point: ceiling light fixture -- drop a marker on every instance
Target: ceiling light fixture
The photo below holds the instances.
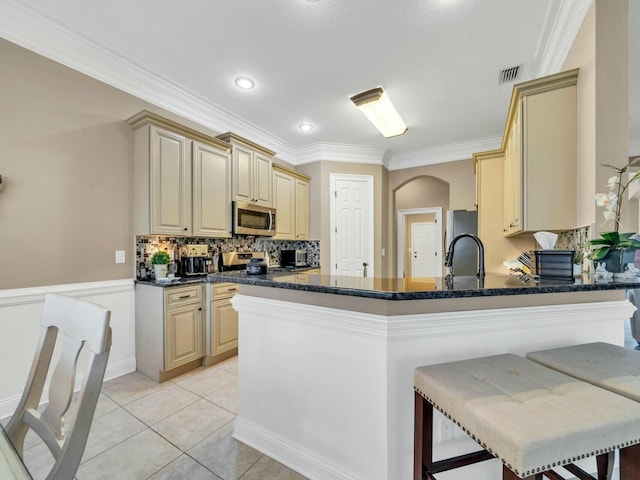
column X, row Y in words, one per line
column 305, row 127
column 245, row 83
column 377, row 107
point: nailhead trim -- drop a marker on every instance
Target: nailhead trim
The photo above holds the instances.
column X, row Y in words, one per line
column 534, row 470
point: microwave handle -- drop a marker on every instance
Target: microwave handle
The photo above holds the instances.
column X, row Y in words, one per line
column 270, row 220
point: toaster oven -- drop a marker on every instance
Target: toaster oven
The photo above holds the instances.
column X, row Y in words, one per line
column 294, row 258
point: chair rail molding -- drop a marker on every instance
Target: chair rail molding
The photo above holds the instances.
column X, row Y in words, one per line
column 20, row 313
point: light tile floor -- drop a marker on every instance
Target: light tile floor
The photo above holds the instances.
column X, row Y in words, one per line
column 180, row 429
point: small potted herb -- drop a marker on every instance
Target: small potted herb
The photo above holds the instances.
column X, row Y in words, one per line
column 160, row 261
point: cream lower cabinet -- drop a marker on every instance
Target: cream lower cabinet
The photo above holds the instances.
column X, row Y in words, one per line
column 182, row 180
column 222, row 323
column 170, row 330
column 291, row 201
column 250, row 172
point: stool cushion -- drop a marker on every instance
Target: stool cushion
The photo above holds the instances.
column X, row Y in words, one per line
column 531, row 417
column 607, row 366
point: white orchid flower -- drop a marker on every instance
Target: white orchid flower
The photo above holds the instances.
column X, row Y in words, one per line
column 612, row 182
column 609, row 200
column 609, row 214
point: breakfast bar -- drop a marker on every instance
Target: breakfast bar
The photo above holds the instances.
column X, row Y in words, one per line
column 326, row 363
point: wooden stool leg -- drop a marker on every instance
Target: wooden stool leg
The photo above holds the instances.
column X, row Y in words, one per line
column 605, row 465
column 507, row 474
column 422, row 437
column 630, row 463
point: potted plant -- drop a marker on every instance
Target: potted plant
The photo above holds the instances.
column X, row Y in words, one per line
column 160, row 261
column 615, row 249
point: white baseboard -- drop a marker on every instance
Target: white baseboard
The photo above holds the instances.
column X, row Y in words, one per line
column 299, row 460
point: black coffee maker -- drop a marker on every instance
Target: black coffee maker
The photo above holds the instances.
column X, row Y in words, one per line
column 193, row 260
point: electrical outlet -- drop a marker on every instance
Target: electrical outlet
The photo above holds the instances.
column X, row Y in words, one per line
column 446, row 430
column 120, row 256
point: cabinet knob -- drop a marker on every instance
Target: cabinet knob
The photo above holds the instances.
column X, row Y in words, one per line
column 185, row 229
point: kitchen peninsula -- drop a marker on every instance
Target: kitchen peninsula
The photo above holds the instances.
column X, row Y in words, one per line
column 326, row 363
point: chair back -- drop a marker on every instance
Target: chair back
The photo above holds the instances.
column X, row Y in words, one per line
column 81, row 324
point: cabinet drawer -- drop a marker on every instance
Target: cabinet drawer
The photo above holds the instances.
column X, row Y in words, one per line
column 183, row 295
column 224, row 289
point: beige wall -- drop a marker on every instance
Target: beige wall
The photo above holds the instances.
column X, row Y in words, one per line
column 450, row 185
column 65, row 158
column 601, row 52
column 459, row 175
column 319, row 203
column 66, row 162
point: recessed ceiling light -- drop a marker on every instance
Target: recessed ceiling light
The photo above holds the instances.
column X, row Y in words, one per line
column 245, row 83
column 305, row 127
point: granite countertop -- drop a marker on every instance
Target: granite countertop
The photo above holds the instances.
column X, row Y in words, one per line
column 404, row 288
column 230, row 276
column 422, row 288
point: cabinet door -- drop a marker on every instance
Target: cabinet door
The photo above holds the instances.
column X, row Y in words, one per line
column 211, row 192
column 184, row 338
column 302, row 210
column 513, row 177
column 242, row 189
column 283, row 201
column 550, row 160
column 262, row 180
column 170, row 185
column 224, row 334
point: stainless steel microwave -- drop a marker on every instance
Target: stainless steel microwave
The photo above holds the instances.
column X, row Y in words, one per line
column 249, row 219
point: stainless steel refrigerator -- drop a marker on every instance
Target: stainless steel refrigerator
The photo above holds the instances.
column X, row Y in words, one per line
column 465, row 260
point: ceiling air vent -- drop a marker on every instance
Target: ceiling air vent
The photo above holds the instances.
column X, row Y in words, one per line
column 509, row 75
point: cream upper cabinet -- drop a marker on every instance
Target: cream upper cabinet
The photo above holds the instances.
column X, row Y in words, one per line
column 302, row 209
column 182, row 180
column 540, row 156
column 211, row 191
column 513, row 177
column 170, row 178
column 284, row 203
column 251, row 171
column 291, row 201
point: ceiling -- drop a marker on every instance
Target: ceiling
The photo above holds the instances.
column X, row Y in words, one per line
column 438, row 60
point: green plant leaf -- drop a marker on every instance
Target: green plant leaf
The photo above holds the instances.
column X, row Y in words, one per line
column 630, row 243
column 600, row 241
column 599, row 253
column 613, row 237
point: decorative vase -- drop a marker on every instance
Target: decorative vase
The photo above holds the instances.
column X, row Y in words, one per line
column 160, row 270
column 616, row 260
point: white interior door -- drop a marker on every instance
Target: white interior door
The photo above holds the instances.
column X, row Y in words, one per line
column 425, row 261
column 352, row 224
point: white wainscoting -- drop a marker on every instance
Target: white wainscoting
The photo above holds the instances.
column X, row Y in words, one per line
column 329, row 392
column 20, row 312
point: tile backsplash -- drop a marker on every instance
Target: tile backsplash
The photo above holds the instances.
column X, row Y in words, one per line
column 146, row 246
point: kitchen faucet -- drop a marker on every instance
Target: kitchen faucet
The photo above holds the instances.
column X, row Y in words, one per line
column 449, row 260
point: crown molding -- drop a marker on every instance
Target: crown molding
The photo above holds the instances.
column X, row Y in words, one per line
column 563, row 33
column 46, row 37
column 333, row 152
column 444, row 153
